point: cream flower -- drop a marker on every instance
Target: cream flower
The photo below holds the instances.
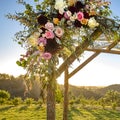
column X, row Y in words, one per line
column 60, row 5
column 74, row 17
column 92, row 23
column 32, row 41
column 36, row 34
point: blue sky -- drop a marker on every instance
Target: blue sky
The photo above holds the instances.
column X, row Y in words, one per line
column 104, row 70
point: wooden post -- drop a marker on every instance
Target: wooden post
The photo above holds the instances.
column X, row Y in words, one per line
column 51, row 95
column 65, row 106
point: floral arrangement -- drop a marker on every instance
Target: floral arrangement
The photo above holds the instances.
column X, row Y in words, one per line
column 54, row 28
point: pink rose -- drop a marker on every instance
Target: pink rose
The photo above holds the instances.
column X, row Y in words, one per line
column 47, row 55
column 59, row 32
column 42, row 40
column 67, row 14
column 49, row 26
column 80, row 16
column 49, row 35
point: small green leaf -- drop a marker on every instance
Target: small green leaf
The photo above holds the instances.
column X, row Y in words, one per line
column 19, row 43
column 36, row 0
column 38, row 7
column 18, row 63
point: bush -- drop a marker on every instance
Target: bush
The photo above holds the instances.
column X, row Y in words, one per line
column 114, row 105
column 16, row 101
column 4, row 95
column 58, row 96
column 29, row 101
column 2, row 101
column 40, row 102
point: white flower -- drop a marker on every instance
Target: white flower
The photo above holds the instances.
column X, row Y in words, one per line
column 61, row 11
column 60, row 5
column 73, row 18
column 92, row 22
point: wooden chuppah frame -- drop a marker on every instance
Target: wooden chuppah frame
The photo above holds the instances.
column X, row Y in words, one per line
column 71, row 59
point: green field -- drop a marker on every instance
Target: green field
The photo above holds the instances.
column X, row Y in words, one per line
column 35, row 112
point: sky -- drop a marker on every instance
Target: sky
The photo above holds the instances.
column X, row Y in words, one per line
column 102, row 71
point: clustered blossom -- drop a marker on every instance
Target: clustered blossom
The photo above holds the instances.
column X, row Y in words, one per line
column 74, row 13
column 60, row 5
column 78, row 13
column 45, row 39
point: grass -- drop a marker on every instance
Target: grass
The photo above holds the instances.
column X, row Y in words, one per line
column 35, row 112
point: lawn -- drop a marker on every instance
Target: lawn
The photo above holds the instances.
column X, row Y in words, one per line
column 35, row 112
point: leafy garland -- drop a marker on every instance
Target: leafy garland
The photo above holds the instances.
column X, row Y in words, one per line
column 53, row 29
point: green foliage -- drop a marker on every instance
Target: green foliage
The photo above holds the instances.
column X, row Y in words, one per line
column 102, row 102
column 114, row 105
column 4, row 94
column 111, row 98
column 40, row 102
column 34, row 112
column 29, row 101
column 17, row 101
column 2, row 101
column 58, row 96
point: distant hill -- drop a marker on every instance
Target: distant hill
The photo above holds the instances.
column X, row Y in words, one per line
column 91, row 91
column 114, row 87
column 17, row 87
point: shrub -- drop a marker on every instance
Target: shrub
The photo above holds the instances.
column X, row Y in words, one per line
column 17, row 101
column 2, row 101
column 29, row 101
column 114, row 105
column 40, row 102
column 4, row 94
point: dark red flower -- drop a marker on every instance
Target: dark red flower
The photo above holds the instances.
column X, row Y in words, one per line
column 72, row 9
column 77, row 23
column 42, row 20
column 86, row 15
column 79, row 5
column 52, row 46
column 60, row 16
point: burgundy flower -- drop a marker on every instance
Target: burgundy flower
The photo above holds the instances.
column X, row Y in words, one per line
column 77, row 23
column 79, row 5
column 42, row 20
column 72, row 9
column 60, row 16
column 86, row 15
column 52, row 46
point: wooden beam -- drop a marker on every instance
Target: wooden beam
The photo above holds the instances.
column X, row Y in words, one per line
column 104, row 51
column 91, row 58
column 83, row 64
column 79, row 50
